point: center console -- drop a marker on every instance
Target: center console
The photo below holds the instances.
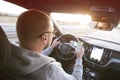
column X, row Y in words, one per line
column 97, row 55
column 95, row 58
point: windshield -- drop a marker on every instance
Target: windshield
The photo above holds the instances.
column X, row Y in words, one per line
column 80, row 24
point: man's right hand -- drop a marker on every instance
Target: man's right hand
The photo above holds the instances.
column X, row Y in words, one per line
column 79, row 53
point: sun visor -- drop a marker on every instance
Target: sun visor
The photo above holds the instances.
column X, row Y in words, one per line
column 103, row 14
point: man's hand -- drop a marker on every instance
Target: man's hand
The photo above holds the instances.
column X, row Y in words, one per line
column 79, row 53
column 55, row 43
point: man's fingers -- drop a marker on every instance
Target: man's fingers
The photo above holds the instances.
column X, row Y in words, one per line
column 79, row 53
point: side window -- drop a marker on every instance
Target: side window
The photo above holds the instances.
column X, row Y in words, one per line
column 8, row 16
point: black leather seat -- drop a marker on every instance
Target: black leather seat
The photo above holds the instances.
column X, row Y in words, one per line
column 5, row 51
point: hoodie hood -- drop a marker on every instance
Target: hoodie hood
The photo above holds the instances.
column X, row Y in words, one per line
column 23, row 61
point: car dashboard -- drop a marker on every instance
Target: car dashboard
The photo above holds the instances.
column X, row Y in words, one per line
column 100, row 56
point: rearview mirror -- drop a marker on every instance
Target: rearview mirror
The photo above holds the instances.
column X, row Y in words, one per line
column 105, row 17
column 102, row 26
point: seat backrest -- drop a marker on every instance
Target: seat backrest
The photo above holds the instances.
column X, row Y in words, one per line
column 5, row 51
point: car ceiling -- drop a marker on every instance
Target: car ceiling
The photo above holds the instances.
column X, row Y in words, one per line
column 66, row 6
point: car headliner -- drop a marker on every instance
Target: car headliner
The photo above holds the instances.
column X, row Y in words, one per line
column 65, row 5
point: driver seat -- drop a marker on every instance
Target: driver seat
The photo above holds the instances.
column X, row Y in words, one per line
column 5, row 51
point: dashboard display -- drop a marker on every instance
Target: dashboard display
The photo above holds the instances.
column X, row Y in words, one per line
column 96, row 53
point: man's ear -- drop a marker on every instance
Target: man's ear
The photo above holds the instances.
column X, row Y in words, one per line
column 45, row 37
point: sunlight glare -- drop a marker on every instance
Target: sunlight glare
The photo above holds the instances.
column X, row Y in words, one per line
column 84, row 19
column 9, row 8
column 79, row 18
column 63, row 17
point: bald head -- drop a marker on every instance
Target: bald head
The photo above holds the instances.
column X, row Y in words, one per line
column 31, row 24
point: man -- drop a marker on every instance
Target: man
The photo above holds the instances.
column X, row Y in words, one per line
column 34, row 29
column 103, row 26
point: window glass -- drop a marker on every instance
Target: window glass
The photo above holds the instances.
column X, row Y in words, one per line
column 8, row 16
column 73, row 23
column 81, row 24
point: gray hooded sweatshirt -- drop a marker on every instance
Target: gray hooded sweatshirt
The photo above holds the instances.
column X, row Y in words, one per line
column 28, row 65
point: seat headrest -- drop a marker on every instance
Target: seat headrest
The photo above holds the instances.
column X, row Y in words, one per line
column 5, row 49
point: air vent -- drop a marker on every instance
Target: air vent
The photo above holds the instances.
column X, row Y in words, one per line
column 88, row 48
column 106, row 56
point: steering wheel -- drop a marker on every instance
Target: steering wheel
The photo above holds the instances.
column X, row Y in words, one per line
column 65, row 50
